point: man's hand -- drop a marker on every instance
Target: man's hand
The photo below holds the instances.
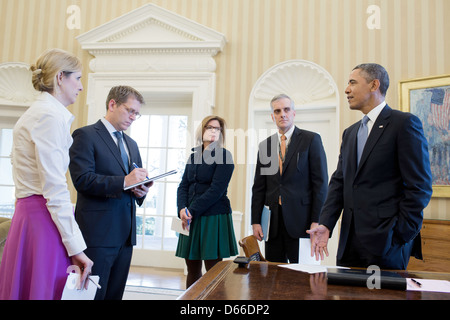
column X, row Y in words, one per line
column 319, row 241
column 142, row 190
column 135, row 176
column 257, row 231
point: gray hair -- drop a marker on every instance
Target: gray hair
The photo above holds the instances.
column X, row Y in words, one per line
column 282, row 96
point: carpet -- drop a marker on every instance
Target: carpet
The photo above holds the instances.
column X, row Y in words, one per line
column 150, row 293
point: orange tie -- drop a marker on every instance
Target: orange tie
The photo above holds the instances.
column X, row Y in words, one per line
column 281, row 159
column 283, row 153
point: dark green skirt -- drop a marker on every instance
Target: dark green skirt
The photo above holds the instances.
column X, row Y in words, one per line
column 210, row 238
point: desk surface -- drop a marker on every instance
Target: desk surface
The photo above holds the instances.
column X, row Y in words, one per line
column 267, row 281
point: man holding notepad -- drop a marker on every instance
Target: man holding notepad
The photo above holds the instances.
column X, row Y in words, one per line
column 101, row 167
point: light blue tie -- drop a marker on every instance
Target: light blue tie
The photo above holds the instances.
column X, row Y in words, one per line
column 123, row 153
column 362, row 136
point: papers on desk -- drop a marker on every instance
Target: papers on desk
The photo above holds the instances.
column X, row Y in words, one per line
column 306, row 263
column 309, row 268
column 72, row 293
column 427, row 285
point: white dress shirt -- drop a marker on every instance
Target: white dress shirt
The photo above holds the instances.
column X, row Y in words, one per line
column 373, row 115
column 111, row 131
column 288, row 136
column 40, row 158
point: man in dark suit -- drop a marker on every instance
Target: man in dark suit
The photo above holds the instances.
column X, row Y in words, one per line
column 105, row 212
column 291, row 178
column 383, row 194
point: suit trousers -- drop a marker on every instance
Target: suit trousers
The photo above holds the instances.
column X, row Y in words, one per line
column 282, row 247
column 112, row 266
column 355, row 255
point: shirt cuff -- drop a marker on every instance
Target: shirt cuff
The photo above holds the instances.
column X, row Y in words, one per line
column 75, row 245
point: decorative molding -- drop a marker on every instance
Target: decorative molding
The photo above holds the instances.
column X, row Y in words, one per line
column 151, row 38
column 304, row 81
column 15, row 85
column 150, row 21
column 159, row 53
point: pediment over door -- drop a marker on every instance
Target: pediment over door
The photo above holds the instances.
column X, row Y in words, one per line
column 152, row 39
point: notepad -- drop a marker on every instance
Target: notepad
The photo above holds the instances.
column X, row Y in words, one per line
column 71, row 292
column 428, row 285
column 178, row 227
column 151, row 179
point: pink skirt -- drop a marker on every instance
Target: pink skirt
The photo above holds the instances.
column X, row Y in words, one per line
column 35, row 261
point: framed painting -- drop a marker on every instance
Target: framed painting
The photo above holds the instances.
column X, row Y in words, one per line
column 429, row 99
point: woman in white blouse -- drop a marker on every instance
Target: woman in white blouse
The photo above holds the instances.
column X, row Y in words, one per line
column 44, row 238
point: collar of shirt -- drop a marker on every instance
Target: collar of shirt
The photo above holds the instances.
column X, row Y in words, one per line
column 111, row 131
column 110, row 128
column 288, row 135
column 60, row 108
column 373, row 115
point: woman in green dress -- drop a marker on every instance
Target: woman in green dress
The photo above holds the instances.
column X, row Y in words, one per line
column 203, row 205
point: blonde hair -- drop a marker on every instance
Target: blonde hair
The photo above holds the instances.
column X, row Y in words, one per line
column 49, row 65
column 202, row 128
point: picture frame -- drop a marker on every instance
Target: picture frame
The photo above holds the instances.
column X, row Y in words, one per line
column 429, row 99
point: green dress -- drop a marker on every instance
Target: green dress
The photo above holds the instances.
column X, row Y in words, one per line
column 210, row 238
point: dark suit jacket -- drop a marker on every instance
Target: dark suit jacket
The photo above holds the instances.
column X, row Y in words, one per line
column 203, row 188
column 105, row 213
column 302, row 186
column 386, row 194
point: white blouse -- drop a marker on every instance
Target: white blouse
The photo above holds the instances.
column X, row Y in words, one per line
column 40, row 158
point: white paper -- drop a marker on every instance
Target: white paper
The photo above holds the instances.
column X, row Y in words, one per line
column 72, row 293
column 177, row 226
column 428, row 285
column 309, row 268
column 304, row 253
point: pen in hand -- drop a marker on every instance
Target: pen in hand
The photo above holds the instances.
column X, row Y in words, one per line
column 135, row 165
column 187, row 215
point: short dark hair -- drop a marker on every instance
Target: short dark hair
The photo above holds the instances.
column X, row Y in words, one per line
column 375, row 71
column 120, row 95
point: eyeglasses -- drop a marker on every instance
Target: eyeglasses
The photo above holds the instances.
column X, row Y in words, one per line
column 131, row 112
column 213, row 129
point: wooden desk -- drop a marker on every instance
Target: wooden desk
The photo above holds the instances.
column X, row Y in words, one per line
column 267, row 281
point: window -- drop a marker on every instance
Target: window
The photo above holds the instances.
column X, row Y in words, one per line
column 162, row 141
column 7, row 197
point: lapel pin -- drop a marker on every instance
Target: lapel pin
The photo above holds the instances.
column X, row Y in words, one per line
column 381, row 127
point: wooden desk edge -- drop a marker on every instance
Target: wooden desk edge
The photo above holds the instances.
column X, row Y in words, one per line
column 203, row 287
column 206, row 284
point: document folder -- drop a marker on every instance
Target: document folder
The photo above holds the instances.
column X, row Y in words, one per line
column 359, row 277
column 265, row 222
